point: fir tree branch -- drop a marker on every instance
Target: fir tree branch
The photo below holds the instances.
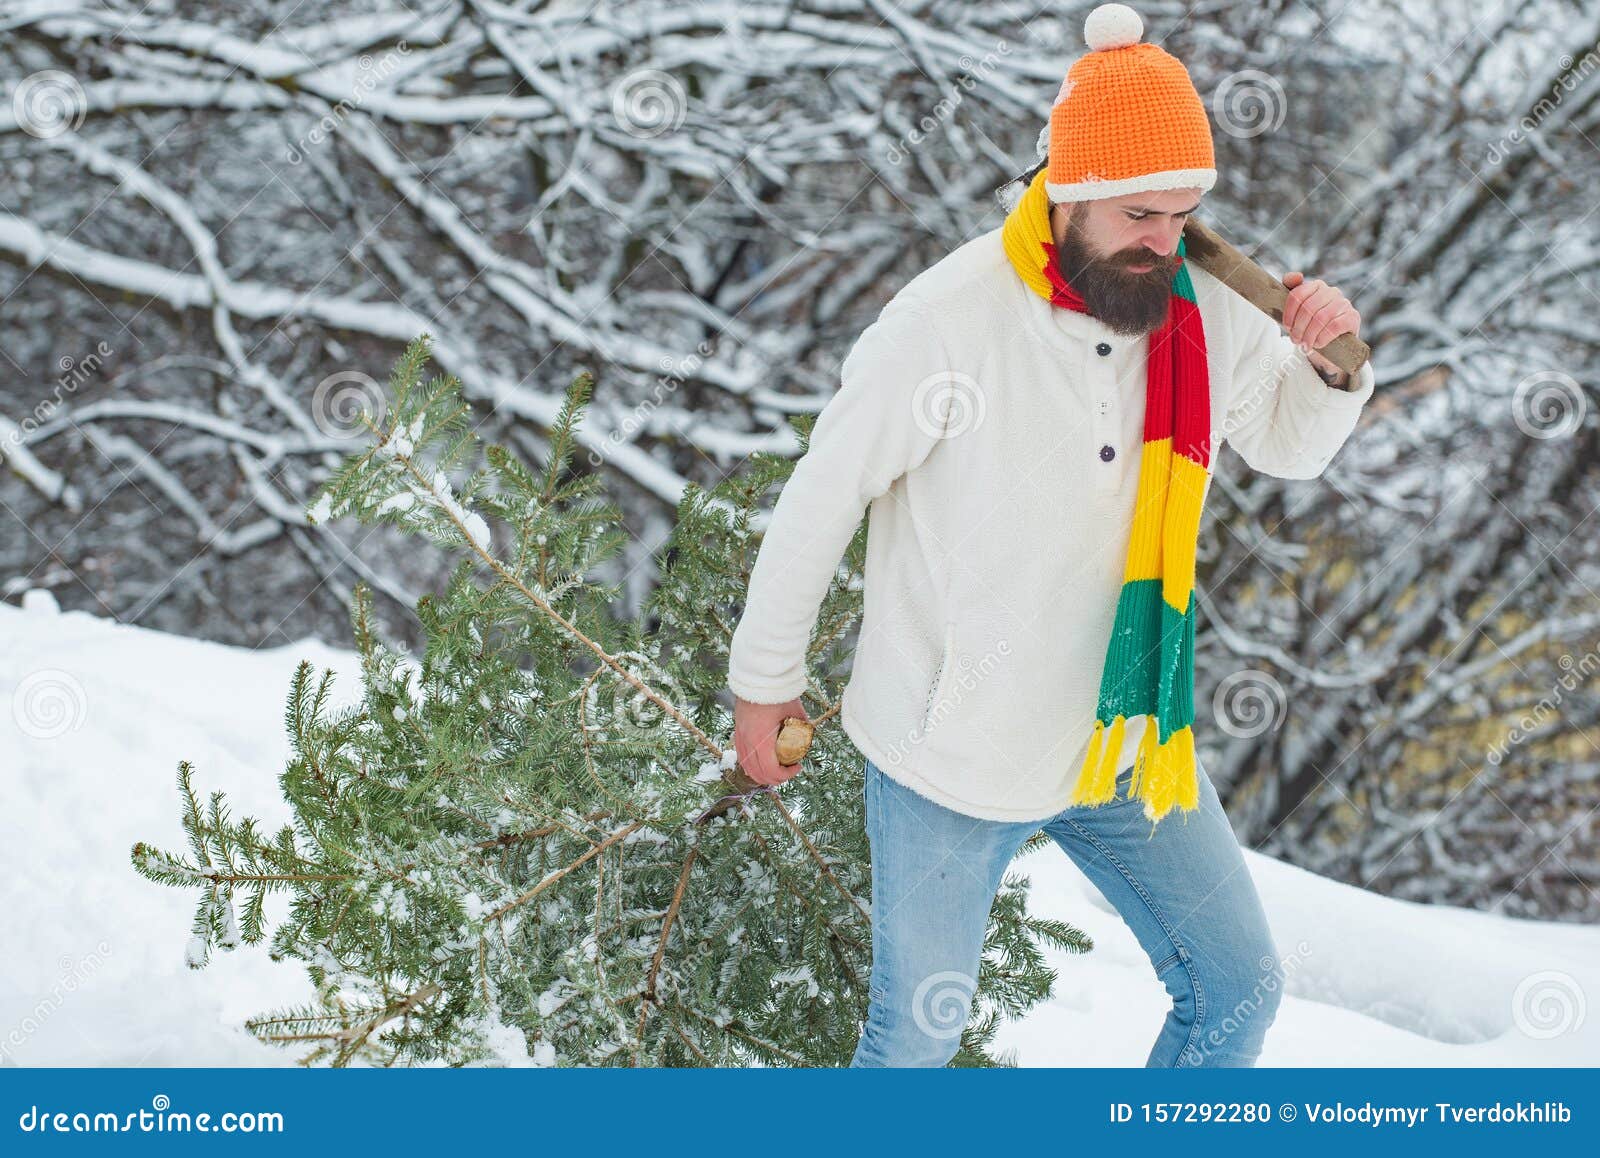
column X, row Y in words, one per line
column 556, row 875
column 453, row 513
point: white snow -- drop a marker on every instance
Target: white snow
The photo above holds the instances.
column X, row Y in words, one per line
column 40, row 602
column 403, row 442
column 94, row 970
column 444, row 496
column 510, row 1046
column 320, row 511
column 800, row 974
column 1372, row 981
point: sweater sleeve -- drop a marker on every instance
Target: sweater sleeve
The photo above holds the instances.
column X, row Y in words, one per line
column 1282, row 418
column 884, row 420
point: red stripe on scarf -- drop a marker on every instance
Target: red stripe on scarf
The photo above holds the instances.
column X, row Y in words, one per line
column 1160, row 394
column 1192, row 438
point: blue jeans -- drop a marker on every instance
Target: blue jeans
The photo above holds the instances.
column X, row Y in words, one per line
column 1185, row 892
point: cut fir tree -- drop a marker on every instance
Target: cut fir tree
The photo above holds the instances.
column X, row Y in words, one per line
column 523, row 847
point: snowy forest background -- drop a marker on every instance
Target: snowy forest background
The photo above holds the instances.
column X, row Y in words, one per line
column 220, row 223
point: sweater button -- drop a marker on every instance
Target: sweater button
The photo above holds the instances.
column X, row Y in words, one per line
column 1103, row 349
column 1108, row 452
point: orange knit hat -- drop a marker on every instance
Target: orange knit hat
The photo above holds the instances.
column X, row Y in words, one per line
column 1127, row 118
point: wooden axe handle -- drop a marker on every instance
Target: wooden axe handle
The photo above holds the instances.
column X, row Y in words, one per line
column 1212, row 253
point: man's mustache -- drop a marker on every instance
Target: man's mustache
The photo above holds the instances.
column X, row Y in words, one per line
column 1166, row 264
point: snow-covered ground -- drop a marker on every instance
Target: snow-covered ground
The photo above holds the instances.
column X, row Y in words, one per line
column 94, row 717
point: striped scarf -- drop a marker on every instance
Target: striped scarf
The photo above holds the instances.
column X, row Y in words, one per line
column 1149, row 665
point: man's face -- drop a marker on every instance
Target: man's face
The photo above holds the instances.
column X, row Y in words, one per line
column 1121, row 253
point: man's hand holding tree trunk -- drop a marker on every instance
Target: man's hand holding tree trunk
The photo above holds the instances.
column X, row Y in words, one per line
column 755, row 738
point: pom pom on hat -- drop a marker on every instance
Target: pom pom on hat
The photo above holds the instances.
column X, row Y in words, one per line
column 1127, row 118
column 1112, row 26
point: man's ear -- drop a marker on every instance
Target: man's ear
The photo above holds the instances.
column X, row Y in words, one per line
column 1060, row 215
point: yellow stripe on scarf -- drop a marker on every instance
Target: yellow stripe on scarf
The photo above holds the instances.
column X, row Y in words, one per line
column 1186, row 492
column 1025, row 235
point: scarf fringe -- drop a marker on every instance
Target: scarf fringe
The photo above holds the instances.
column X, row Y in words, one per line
column 1097, row 780
column 1164, row 774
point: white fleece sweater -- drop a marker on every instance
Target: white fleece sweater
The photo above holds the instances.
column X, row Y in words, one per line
column 994, row 441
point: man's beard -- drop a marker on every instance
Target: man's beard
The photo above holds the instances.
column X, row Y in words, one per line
column 1127, row 302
